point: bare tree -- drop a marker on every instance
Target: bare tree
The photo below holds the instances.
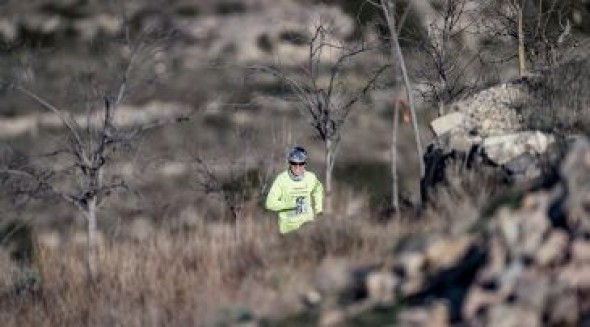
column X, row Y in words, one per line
column 394, row 159
column 388, row 9
column 447, row 56
column 79, row 171
column 541, row 29
column 237, row 181
column 326, row 95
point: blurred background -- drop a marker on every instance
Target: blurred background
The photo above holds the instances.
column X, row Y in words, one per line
column 185, row 240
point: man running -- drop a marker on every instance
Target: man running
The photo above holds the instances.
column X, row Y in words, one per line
column 296, row 194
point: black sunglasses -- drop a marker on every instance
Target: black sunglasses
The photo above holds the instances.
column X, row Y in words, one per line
column 297, row 163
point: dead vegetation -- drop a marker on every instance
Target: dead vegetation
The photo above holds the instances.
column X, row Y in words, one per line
column 184, row 278
column 168, row 252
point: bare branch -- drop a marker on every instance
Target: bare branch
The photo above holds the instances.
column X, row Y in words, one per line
column 149, row 126
column 299, row 91
column 70, row 124
column 370, row 84
column 42, row 184
column 377, row 5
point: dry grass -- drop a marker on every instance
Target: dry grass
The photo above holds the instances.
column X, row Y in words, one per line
column 560, row 99
column 461, row 199
column 189, row 278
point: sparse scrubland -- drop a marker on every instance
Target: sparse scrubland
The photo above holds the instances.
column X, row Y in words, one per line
column 197, row 275
column 495, row 233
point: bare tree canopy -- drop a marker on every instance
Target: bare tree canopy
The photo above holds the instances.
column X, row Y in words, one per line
column 326, row 90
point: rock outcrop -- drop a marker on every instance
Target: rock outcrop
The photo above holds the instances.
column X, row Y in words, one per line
column 488, row 127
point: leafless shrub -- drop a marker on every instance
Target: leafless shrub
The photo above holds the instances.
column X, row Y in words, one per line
column 238, row 178
column 560, row 99
column 542, row 28
column 460, row 198
column 19, row 257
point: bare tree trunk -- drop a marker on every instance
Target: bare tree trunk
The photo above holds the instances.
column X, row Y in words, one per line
column 91, row 240
column 236, row 225
column 442, row 76
column 394, row 177
column 389, row 12
column 521, row 53
column 237, row 230
column 329, row 153
column 442, row 72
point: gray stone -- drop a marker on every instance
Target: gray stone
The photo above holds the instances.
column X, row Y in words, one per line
column 522, row 164
column 575, row 276
column 509, row 277
column 446, row 253
column 478, row 299
column 553, row 249
column 523, row 230
column 332, row 317
column 417, row 316
column 505, row 315
column 462, row 142
column 412, row 285
column 501, row 149
column 497, row 255
column 413, row 263
column 447, row 123
column 563, row 308
column 580, row 251
column 491, row 111
column 381, row 286
column 532, row 290
column 434, row 315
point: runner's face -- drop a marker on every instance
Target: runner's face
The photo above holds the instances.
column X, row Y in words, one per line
column 297, row 168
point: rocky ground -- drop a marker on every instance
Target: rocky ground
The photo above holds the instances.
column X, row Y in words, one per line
column 514, row 256
column 523, row 264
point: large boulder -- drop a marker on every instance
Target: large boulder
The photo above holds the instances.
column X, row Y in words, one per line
column 492, row 111
column 504, row 148
column 488, row 127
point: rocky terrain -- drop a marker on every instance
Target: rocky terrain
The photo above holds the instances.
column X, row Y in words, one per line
column 525, row 263
column 502, row 237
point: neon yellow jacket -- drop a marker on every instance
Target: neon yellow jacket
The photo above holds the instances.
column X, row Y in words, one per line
column 283, row 193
